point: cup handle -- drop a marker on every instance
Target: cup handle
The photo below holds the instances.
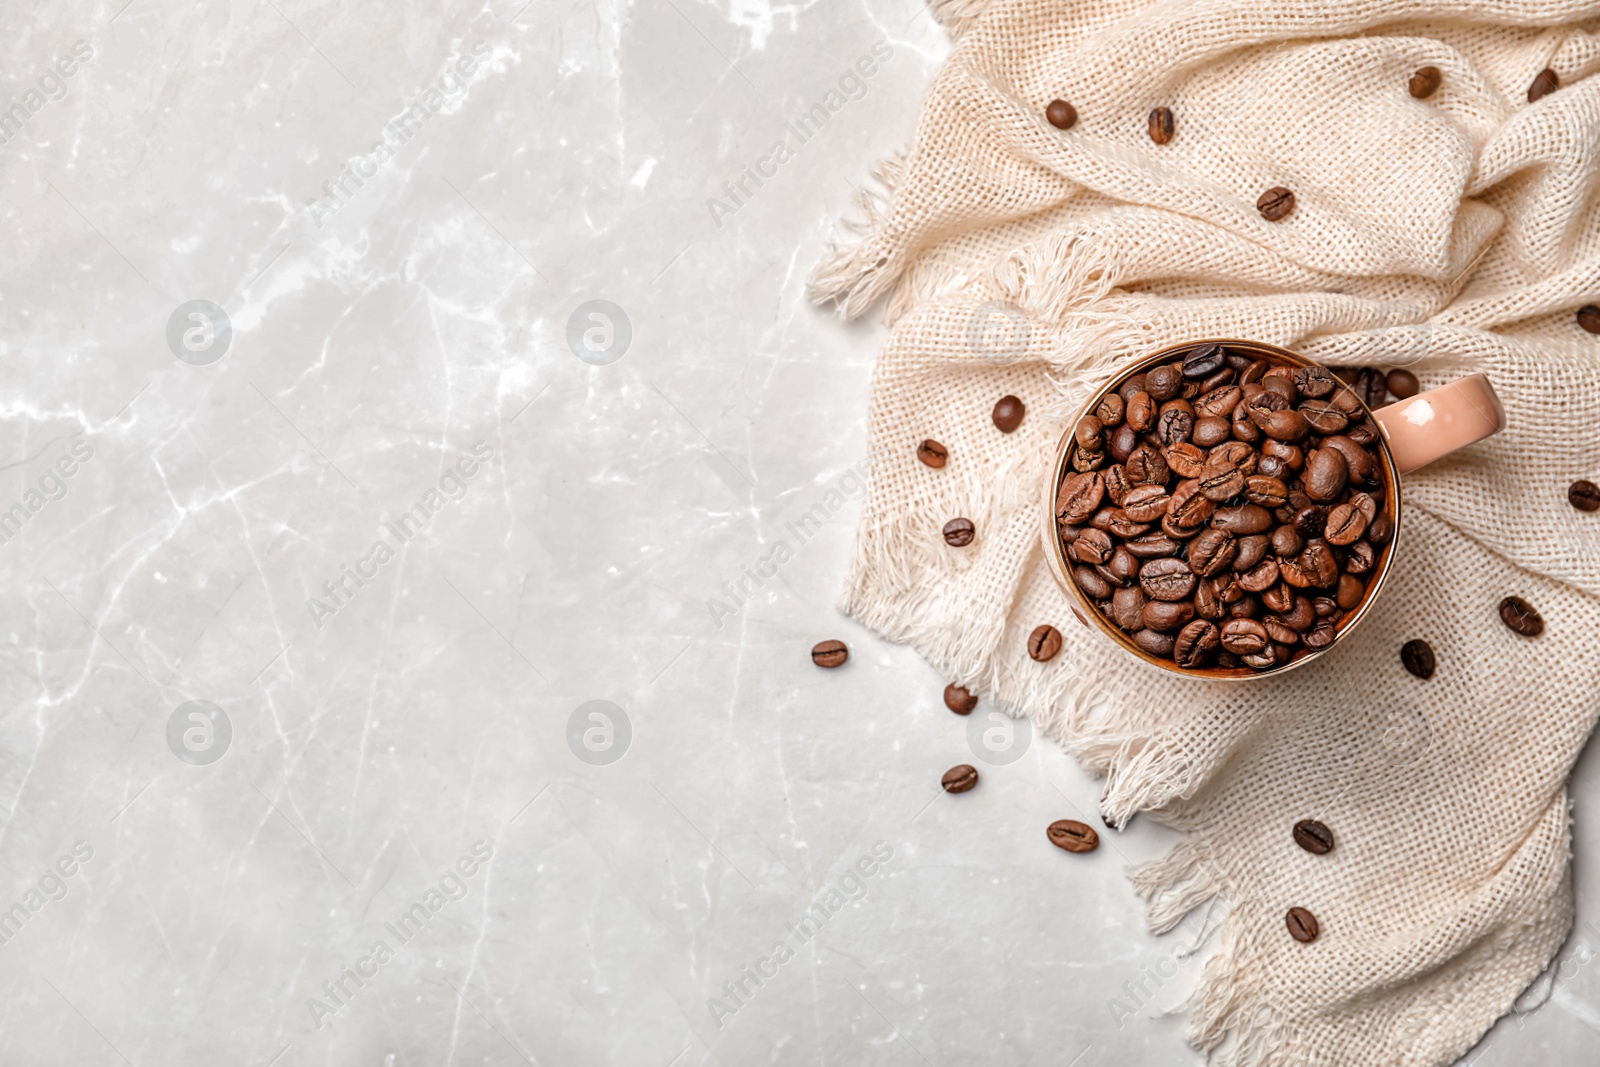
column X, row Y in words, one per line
column 1422, row 428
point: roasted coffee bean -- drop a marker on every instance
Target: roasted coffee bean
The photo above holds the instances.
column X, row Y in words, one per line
column 1167, row 579
column 1202, row 362
column 1073, row 836
column 1319, row 564
column 1261, row 577
column 1123, row 441
column 1154, row 642
column 1089, row 433
column 1357, row 460
column 1544, row 83
column 1116, row 521
column 1116, row 481
column 1131, row 385
column 1212, row 552
column 1291, row 455
column 1320, row 637
column 1326, row 475
column 1141, row 411
column 1424, row 83
column 1359, row 558
column 1300, row 617
column 1275, row 204
column 1161, row 125
column 1244, row 637
column 829, row 653
column 1195, row 644
column 1080, row 497
column 959, row 532
column 1280, row 631
column 1252, row 550
column 1087, row 461
column 1584, row 495
column 1207, row 603
column 1346, row 523
column 1146, row 503
column 1273, row 467
column 1280, row 380
column 1185, row 459
column 1175, row 423
column 1323, row 416
column 1280, row 598
column 1145, row 466
column 1091, row 582
column 1372, row 386
column 1110, row 410
column 1365, row 503
column 1211, row 431
column 1189, row 507
column 1061, row 115
column 1302, row 925
column 959, row 700
column 1127, row 607
column 1267, row 491
column 1221, row 481
column 1402, row 383
column 1244, row 519
column 1315, row 382
column 1325, row 608
column 1164, row 616
column 960, row 778
column 1044, row 643
column 1163, row 382
column 1589, row 318
column 1123, row 567
column 1215, row 403
column 1220, row 380
column 932, row 453
column 1416, row 656
column 1362, row 434
column 1349, row 592
column 1521, row 617
column 1380, row 528
column 1247, row 431
column 1008, row 412
column 1153, row 546
column 1287, row 541
column 1313, row 836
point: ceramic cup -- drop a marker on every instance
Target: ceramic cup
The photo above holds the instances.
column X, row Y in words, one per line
column 1410, row 433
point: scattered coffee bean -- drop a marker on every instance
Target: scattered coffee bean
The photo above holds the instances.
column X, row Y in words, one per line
column 1229, row 555
column 1521, row 617
column 959, row 700
column 1545, row 82
column 1417, row 657
column 1584, row 495
column 960, row 778
column 1589, row 317
column 1402, row 383
column 1161, row 127
column 1302, row 925
column 1008, row 412
column 1044, row 643
column 1062, row 115
column 932, row 453
column 959, row 533
column 829, row 653
column 1275, row 204
column 1073, row 836
column 1314, row 837
column 1425, row 82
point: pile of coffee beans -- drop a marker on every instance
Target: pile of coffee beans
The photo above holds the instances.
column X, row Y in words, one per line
column 1226, row 509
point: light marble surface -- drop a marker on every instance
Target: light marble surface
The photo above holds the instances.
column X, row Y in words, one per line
column 374, row 741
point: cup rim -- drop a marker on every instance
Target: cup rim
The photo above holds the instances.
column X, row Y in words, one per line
column 1084, row 608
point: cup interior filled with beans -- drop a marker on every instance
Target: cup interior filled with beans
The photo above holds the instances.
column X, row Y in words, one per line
column 1228, row 509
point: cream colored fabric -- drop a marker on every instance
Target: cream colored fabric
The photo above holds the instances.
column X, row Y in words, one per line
column 1453, row 234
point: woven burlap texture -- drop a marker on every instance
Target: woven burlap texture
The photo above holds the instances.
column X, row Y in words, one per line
column 1450, row 234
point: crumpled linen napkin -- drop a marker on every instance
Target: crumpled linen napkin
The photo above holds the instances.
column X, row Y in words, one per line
column 1449, row 233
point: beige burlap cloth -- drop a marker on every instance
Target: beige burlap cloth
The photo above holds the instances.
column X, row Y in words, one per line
column 1450, row 234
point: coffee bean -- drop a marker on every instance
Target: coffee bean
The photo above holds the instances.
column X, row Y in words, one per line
column 1380, row 528
column 1544, row 83
column 958, row 533
column 1141, row 411
column 1275, row 204
column 1044, row 643
column 1146, row 466
column 1425, row 82
column 1196, row 644
column 1167, row 579
column 1302, row 925
column 1315, row 382
column 1521, row 617
column 1110, row 410
column 1155, row 642
column 1061, row 115
column 1165, row 616
column 959, row 700
column 1326, row 475
column 960, row 778
column 1163, row 383
column 1161, row 125
column 1589, row 317
column 1321, row 636
column 829, row 653
column 1210, row 431
column 932, row 453
column 1402, row 383
column 1092, row 582
column 1584, row 495
column 1244, row 637
column 1146, row 503
column 1252, row 550
column 1073, row 836
column 1346, row 523
column 1313, row 836
column 1080, row 497
column 1202, row 362
column 1213, row 551
column 1417, row 657
column 1092, row 546
column 1347, row 594
column 1175, row 424
column 1323, row 416
column 1008, row 412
